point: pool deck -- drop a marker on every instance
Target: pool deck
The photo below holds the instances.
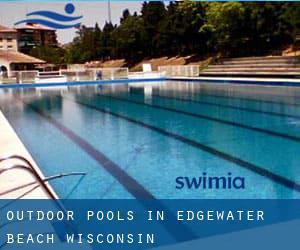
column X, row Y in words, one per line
column 12, row 145
column 267, row 81
column 295, row 82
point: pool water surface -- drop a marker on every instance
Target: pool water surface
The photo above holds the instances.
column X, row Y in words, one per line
column 134, row 140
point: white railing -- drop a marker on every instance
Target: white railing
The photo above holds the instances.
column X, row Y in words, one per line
column 143, row 75
column 92, row 74
column 180, row 70
column 23, row 76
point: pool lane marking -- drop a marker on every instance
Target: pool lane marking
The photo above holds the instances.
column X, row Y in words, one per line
column 129, row 183
column 239, row 98
column 205, row 117
column 244, row 164
column 252, row 99
column 272, row 113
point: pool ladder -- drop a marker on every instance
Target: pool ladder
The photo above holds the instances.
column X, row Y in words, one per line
column 27, row 166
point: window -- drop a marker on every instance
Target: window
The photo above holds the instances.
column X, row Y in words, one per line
column 9, row 39
column 9, row 46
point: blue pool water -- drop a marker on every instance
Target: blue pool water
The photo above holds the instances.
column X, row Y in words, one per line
column 134, row 140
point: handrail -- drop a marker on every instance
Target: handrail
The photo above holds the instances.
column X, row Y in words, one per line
column 19, row 157
column 47, row 179
column 42, row 182
column 14, row 167
column 31, row 169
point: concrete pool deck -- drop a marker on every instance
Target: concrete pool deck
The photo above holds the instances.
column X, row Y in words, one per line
column 244, row 80
column 12, row 145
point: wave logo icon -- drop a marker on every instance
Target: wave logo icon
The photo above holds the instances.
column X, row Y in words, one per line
column 54, row 20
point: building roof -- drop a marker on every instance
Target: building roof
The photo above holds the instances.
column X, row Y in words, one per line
column 17, row 57
column 33, row 26
column 6, row 29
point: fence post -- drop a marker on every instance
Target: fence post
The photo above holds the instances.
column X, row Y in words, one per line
column 19, row 77
column 111, row 74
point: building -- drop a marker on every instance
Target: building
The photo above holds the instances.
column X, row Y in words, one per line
column 10, row 58
column 8, row 39
column 34, row 35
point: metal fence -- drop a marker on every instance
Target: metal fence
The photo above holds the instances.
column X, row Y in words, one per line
column 69, row 75
column 20, row 77
column 95, row 74
column 180, row 70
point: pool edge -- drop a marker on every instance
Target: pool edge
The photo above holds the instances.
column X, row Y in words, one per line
column 13, row 145
column 285, row 82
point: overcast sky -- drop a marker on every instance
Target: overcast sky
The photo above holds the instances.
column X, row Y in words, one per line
column 92, row 11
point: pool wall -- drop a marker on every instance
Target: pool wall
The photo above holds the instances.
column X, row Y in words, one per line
column 119, row 81
column 223, row 80
column 242, row 80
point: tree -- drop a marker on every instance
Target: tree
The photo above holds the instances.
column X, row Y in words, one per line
column 267, row 30
column 130, row 38
column 107, row 42
column 189, row 27
column 152, row 14
column 125, row 15
column 55, row 55
column 184, row 20
column 224, row 23
column 291, row 15
column 97, row 41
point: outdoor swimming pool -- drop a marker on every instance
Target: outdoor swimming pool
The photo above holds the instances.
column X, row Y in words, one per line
column 134, row 140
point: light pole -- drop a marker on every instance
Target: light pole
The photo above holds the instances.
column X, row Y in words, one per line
column 109, row 11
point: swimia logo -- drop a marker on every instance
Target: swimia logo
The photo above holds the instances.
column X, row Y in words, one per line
column 54, row 20
column 210, row 182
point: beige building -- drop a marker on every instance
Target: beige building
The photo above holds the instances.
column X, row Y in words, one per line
column 8, row 39
column 10, row 58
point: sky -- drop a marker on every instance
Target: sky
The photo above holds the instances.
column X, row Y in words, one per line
column 92, row 12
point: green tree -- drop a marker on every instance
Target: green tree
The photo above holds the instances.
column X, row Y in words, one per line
column 267, row 30
column 224, row 24
column 130, row 38
column 125, row 15
column 184, row 21
column 291, row 15
column 189, row 27
column 152, row 14
column 49, row 54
